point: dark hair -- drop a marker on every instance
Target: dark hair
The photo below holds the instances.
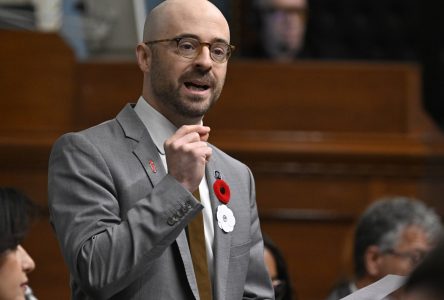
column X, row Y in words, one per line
column 428, row 276
column 16, row 212
column 383, row 222
column 286, row 290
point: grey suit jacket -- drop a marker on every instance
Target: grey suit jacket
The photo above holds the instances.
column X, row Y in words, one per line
column 120, row 224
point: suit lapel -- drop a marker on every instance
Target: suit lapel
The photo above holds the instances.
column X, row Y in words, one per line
column 143, row 146
column 222, row 240
column 184, row 249
column 146, row 152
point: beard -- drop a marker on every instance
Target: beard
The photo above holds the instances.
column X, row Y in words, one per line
column 168, row 91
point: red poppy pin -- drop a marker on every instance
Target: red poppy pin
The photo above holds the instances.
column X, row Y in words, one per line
column 224, row 215
column 221, row 189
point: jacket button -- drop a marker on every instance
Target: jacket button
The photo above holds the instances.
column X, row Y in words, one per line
column 179, row 214
column 171, row 221
column 188, row 205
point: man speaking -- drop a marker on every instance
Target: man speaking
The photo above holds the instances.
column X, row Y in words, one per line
column 143, row 207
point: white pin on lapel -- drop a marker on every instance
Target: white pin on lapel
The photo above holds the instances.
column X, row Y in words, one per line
column 224, row 215
column 225, row 218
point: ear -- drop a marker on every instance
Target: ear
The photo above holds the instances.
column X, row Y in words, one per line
column 143, row 53
column 372, row 259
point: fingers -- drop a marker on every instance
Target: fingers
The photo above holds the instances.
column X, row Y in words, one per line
column 186, row 153
column 202, row 132
column 189, row 137
column 204, row 137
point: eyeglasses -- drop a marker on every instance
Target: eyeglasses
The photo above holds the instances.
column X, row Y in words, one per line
column 190, row 47
column 414, row 257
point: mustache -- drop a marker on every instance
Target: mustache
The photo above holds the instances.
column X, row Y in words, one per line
column 201, row 75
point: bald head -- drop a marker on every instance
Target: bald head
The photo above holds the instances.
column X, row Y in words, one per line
column 183, row 85
column 168, row 16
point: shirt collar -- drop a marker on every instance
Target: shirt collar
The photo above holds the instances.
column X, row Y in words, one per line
column 159, row 127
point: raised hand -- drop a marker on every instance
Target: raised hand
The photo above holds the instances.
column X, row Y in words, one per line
column 186, row 154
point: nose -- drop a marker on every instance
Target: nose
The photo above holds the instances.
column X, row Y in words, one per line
column 203, row 59
column 27, row 262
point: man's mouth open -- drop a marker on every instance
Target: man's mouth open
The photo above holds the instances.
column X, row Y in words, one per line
column 193, row 86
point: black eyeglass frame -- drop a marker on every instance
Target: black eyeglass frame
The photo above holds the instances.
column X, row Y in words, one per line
column 414, row 257
column 230, row 48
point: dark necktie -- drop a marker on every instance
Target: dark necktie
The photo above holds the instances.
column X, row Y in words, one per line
column 196, row 237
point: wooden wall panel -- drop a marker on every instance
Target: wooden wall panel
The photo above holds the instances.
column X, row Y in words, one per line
column 50, row 280
column 322, row 139
column 312, row 251
column 23, row 165
column 429, row 190
column 315, row 233
column 305, row 183
column 341, row 195
column 37, row 82
column 103, row 89
column 304, row 96
column 32, row 182
column 315, row 96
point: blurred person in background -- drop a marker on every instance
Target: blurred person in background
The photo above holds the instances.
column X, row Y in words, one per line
column 281, row 28
column 392, row 237
column 426, row 282
column 16, row 211
column 39, row 15
column 278, row 271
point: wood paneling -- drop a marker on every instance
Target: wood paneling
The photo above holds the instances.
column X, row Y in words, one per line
column 322, row 139
column 315, row 96
column 50, row 280
column 310, row 192
column 37, row 82
column 313, row 251
column 103, row 89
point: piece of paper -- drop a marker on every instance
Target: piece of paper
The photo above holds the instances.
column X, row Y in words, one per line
column 378, row 290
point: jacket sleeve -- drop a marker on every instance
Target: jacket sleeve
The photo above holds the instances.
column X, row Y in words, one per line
column 258, row 284
column 104, row 251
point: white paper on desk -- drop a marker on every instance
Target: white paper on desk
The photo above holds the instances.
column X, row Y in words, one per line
column 378, row 290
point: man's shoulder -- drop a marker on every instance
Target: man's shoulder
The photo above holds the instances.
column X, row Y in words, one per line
column 108, row 127
column 107, row 137
column 109, row 130
column 100, row 131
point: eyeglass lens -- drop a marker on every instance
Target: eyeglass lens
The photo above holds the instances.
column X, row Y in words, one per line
column 190, row 48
